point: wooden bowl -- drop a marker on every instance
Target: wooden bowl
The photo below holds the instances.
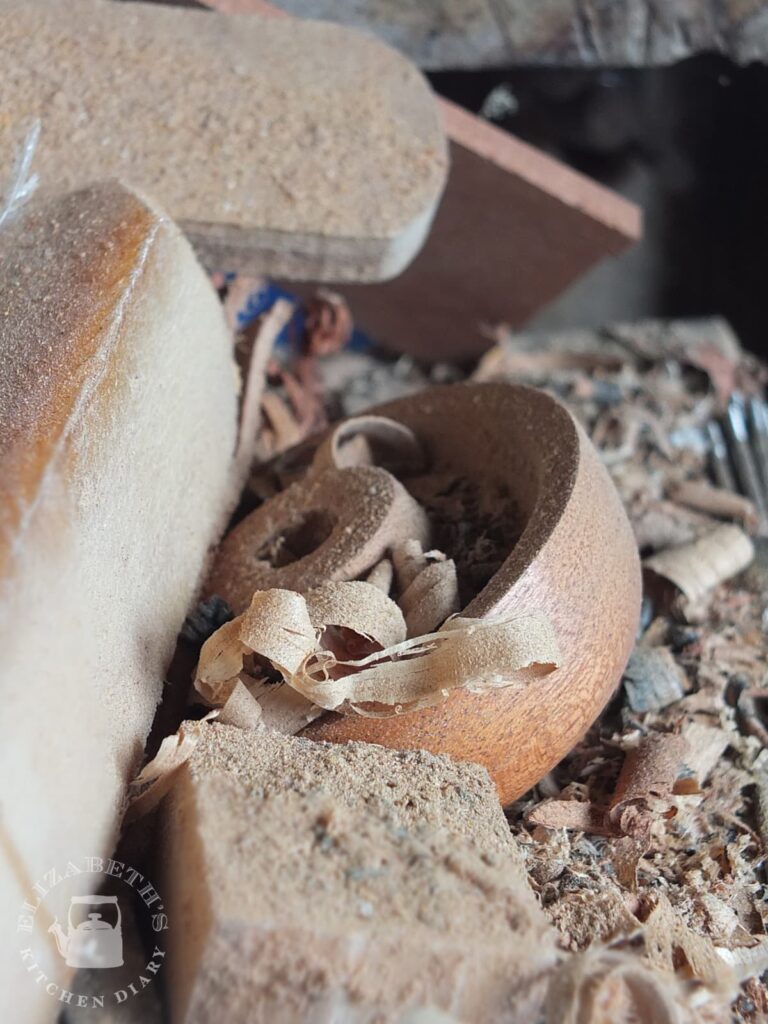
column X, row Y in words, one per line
column 574, row 557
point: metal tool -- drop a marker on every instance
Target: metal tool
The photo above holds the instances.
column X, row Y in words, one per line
column 738, row 448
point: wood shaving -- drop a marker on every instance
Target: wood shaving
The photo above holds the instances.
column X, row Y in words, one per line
column 680, row 898
column 153, row 782
column 698, row 567
column 371, row 441
column 645, row 783
column 242, row 709
column 673, row 947
column 381, row 575
column 470, row 654
column 707, row 858
column 431, row 598
column 715, row 501
column 250, row 410
column 298, row 637
column 611, row 986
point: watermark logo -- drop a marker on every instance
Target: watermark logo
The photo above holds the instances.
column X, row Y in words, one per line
column 67, row 924
column 93, row 941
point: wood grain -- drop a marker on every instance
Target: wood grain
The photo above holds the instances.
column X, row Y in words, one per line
column 576, row 560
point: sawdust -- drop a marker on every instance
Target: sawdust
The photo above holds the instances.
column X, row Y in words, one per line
column 686, row 896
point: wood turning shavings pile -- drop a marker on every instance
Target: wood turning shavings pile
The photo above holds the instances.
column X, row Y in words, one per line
column 647, row 844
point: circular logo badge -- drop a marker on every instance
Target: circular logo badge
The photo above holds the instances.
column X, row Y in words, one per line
column 74, row 919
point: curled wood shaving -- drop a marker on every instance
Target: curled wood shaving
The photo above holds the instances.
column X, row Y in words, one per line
column 221, row 662
column 360, row 607
column 716, row 501
column 431, row 598
column 698, row 567
column 371, row 441
column 277, row 626
column 153, row 782
column 609, row 986
column 280, row 706
column 299, row 637
column 285, row 431
column 671, row 946
column 250, row 411
column 645, row 783
column 408, row 559
column 643, row 793
column 470, row 654
column 381, row 575
column 242, row 709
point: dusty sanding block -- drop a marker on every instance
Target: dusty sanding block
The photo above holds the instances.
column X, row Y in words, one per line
column 298, row 149
column 117, row 426
column 317, row 882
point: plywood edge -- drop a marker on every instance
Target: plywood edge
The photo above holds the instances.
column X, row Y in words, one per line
column 542, row 171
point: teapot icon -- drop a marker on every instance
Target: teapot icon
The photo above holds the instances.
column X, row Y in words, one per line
column 94, row 942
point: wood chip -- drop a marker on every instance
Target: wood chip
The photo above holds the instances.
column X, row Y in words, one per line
column 716, row 501
column 571, row 814
column 155, row 779
column 371, row 441
column 381, row 575
column 645, row 782
column 653, row 679
column 431, row 597
column 672, row 946
column 698, row 567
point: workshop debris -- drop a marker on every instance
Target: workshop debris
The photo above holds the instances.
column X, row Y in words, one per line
column 698, row 682
column 653, row 679
column 647, row 844
column 250, row 407
column 337, row 874
column 603, row 986
column 431, row 594
column 343, row 648
column 694, row 569
column 303, row 177
column 371, row 441
column 716, row 501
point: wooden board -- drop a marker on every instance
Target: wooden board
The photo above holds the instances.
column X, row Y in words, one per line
column 298, row 149
column 455, row 34
column 514, row 229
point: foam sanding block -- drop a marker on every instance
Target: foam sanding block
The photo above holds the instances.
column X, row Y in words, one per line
column 296, row 149
column 117, row 428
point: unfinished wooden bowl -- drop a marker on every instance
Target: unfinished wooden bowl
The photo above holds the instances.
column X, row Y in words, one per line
column 575, row 558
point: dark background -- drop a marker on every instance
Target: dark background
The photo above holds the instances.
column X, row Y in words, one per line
column 687, row 142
